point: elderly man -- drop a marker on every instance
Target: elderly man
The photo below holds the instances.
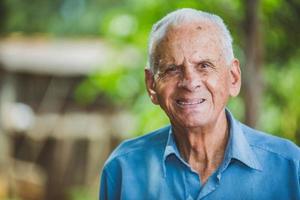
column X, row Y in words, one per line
column 205, row 153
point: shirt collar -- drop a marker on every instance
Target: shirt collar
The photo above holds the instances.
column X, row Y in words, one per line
column 237, row 148
column 171, row 147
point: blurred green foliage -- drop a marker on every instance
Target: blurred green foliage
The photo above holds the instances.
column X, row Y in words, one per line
column 281, row 114
column 128, row 22
column 81, row 193
column 124, row 23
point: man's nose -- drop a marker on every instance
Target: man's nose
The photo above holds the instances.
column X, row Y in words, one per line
column 189, row 79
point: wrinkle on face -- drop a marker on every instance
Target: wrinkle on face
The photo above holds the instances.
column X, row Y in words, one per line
column 187, row 47
column 178, row 52
column 195, row 92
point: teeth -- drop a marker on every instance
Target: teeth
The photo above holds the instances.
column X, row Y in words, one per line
column 190, row 102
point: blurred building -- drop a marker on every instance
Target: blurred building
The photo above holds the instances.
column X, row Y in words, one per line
column 50, row 142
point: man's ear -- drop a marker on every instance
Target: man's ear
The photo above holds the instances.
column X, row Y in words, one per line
column 150, row 85
column 235, row 78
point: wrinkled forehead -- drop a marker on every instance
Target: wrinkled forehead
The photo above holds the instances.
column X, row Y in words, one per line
column 192, row 28
column 202, row 37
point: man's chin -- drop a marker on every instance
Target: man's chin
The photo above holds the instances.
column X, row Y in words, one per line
column 193, row 123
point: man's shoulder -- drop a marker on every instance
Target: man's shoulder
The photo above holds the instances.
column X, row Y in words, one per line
column 273, row 144
column 142, row 143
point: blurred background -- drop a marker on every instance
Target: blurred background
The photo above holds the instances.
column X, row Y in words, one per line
column 71, row 83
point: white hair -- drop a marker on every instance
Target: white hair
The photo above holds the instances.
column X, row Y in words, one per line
column 187, row 15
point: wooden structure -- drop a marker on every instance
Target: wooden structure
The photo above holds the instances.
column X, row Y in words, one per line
column 50, row 143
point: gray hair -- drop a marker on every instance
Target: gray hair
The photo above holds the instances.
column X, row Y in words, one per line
column 182, row 16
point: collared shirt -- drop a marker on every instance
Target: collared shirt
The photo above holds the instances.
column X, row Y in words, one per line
column 255, row 166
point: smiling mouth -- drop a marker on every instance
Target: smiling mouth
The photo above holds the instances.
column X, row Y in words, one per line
column 187, row 102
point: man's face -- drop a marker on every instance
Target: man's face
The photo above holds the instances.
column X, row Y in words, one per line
column 192, row 81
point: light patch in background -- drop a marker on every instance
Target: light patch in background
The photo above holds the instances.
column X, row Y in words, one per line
column 18, row 117
column 72, row 9
column 124, row 124
column 123, row 25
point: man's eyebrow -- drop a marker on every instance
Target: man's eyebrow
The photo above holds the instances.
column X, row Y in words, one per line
column 201, row 60
column 164, row 62
column 168, row 65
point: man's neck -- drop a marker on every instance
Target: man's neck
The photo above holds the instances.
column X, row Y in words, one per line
column 203, row 148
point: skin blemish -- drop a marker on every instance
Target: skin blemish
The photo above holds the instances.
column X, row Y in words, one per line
column 198, row 27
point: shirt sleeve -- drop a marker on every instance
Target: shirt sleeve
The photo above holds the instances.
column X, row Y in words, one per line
column 108, row 187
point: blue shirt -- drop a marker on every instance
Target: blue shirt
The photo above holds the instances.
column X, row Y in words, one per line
column 255, row 166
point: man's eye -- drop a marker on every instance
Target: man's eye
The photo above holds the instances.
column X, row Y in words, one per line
column 204, row 65
column 168, row 71
column 172, row 68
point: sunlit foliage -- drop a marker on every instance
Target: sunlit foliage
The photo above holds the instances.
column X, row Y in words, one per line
column 125, row 23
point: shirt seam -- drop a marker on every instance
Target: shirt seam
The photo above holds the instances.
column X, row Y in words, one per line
column 277, row 153
column 109, row 177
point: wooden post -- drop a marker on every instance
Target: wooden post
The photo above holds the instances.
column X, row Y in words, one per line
column 7, row 96
column 252, row 84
